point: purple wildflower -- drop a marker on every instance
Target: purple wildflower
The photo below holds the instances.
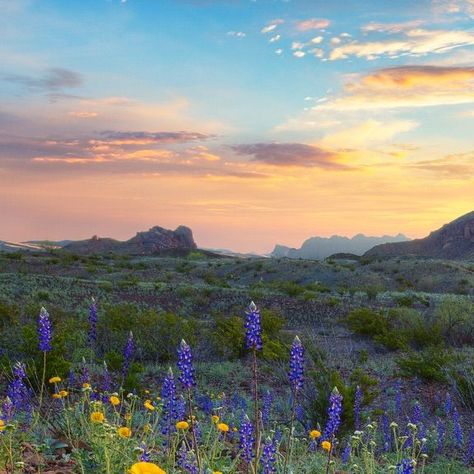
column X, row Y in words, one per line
column 357, row 406
column 346, row 454
column 441, row 432
column 85, row 376
column 267, row 406
column 398, row 398
column 406, row 467
column 417, row 414
column 17, row 391
column 71, row 378
column 268, row 458
column 457, row 429
column 92, row 334
column 253, row 328
column 127, row 355
column 246, row 439
column 185, row 365
column 45, row 331
column 169, row 414
column 387, row 435
column 145, row 456
column 106, row 379
column 469, row 456
column 187, row 460
column 334, row 414
column 448, row 404
column 296, row 365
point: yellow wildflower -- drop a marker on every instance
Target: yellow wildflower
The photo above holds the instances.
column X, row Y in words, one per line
column 223, row 427
column 326, row 445
column 63, row 393
column 2, row 425
column 147, row 427
column 55, row 380
column 56, row 396
column 114, row 400
column 128, row 416
column 86, row 385
column 148, row 405
column 124, row 432
column 97, row 417
column 145, row 468
column 182, row 425
column 215, row 418
column 315, row 434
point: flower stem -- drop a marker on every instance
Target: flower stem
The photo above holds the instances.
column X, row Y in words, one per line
column 193, row 431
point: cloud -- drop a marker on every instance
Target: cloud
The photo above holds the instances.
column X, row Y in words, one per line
column 237, row 34
column 414, row 42
column 83, row 114
column 55, row 80
column 290, row 154
column 406, row 86
column 457, row 166
column 271, row 26
column 443, row 7
column 145, row 138
column 313, row 24
column 391, row 27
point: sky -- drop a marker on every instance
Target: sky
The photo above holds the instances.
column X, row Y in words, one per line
column 254, row 122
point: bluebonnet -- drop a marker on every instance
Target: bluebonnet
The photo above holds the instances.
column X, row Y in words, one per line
column 334, row 414
column 441, row 432
column 205, row 403
column 346, row 454
column 187, row 460
column 253, row 328
column 457, row 429
column 127, row 354
column 185, row 365
column 387, row 435
column 448, row 404
column 169, row 413
column 71, row 378
column 300, row 414
column 417, row 414
column 398, row 398
column 180, row 408
column 266, row 406
column 406, row 467
column 357, row 406
column 17, row 391
column 85, row 375
column 268, row 458
column 469, row 455
column 92, row 334
column 106, row 379
column 45, row 331
column 246, row 439
column 296, row 365
column 145, row 456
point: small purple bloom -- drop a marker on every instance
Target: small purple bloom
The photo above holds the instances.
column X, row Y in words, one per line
column 296, row 365
column 145, row 456
column 253, row 328
column 187, row 460
column 448, row 404
column 185, row 365
column 17, row 392
column 398, row 398
column 334, row 414
column 406, row 467
column 267, row 406
column 246, row 440
column 441, row 432
column 45, row 331
column 346, row 454
column 469, row 456
column 457, row 429
column 169, row 414
column 127, row 355
column 92, row 334
column 357, row 406
column 268, row 458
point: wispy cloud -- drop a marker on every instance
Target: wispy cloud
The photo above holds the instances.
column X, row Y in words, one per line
column 392, row 27
column 53, row 81
column 271, row 26
column 414, row 42
column 312, row 24
column 290, row 154
column 406, row 86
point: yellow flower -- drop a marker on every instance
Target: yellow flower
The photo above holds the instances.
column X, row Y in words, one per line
column 215, row 418
column 223, row 427
column 146, row 468
column 182, row 425
column 2, row 425
column 315, row 434
column 216, row 472
column 114, row 400
column 147, row 427
column 86, row 385
column 326, row 445
column 97, row 417
column 63, row 393
column 124, row 432
column 147, row 391
column 128, row 416
column 55, row 380
column 56, row 396
column 148, row 405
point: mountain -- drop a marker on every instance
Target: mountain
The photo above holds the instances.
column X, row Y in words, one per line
column 28, row 246
column 155, row 240
column 454, row 241
column 318, row 248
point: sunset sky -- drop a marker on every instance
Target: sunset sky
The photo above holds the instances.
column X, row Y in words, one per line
column 254, row 122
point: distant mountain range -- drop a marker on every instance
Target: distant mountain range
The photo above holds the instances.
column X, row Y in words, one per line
column 452, row 241
column 156, row 240
column 318, row 248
